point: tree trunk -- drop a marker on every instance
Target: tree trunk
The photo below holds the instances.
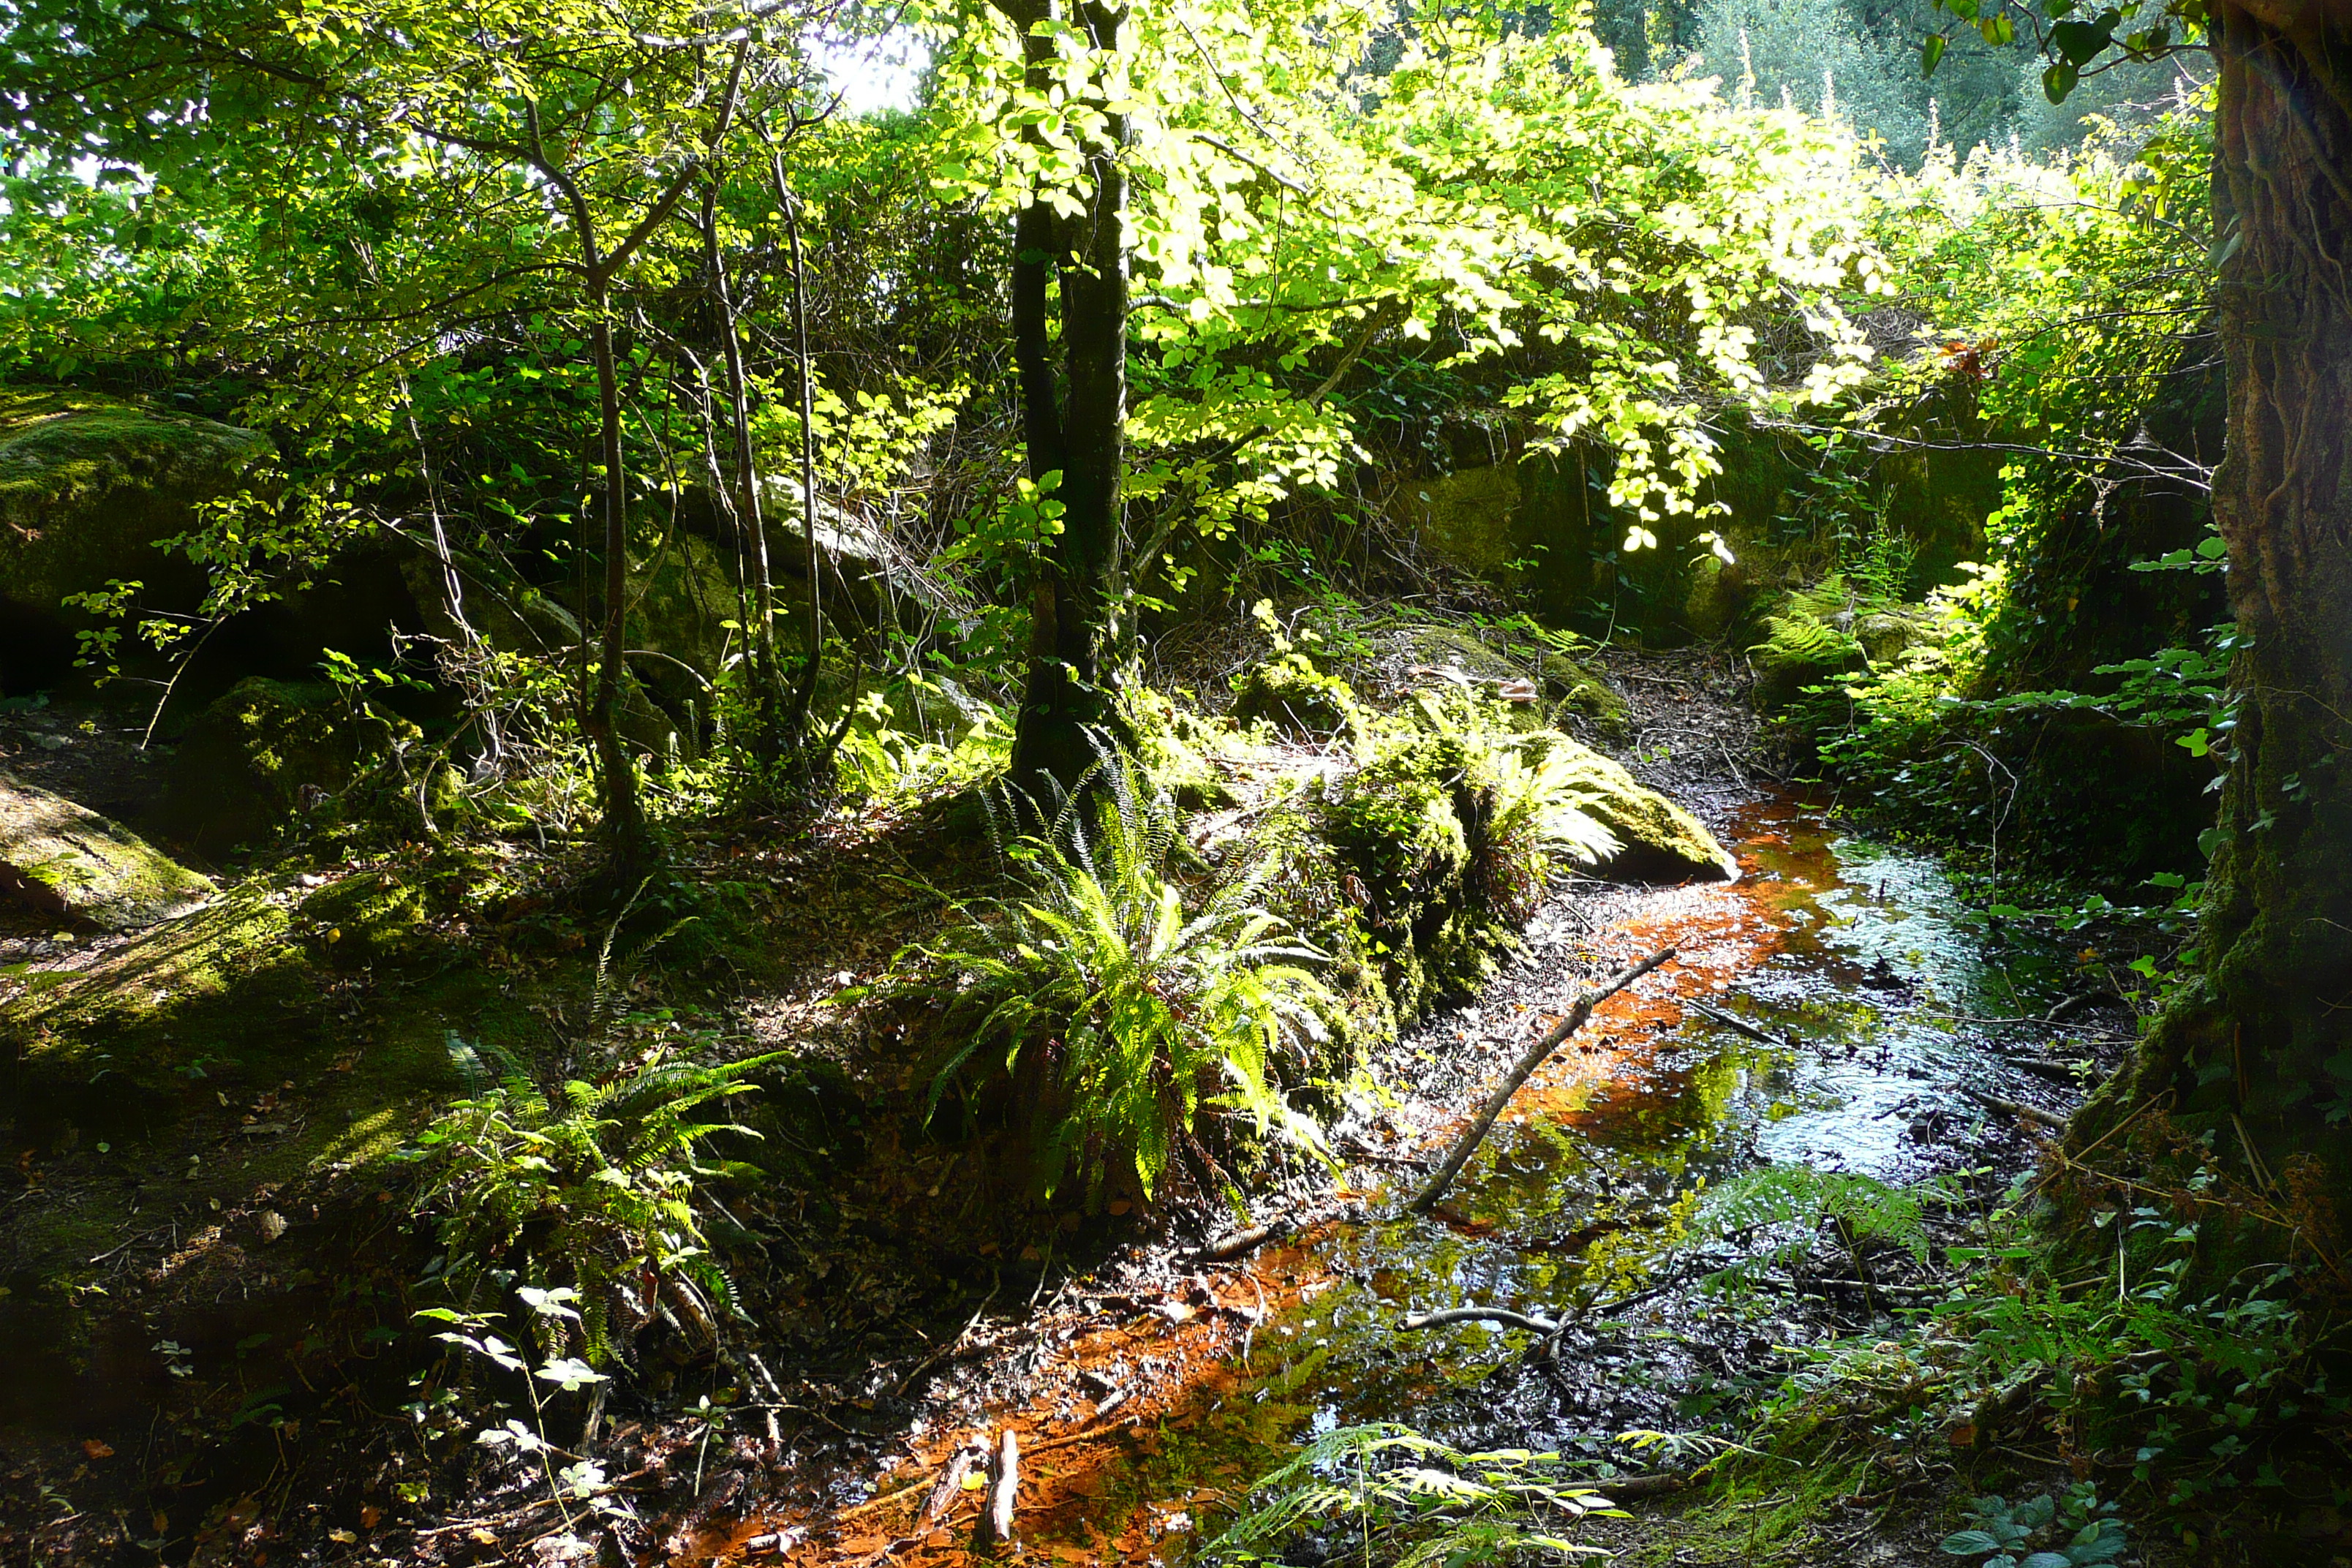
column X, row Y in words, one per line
column 624, row 817
column 768, row 740
column 2259, row 1052
column 1067, row 712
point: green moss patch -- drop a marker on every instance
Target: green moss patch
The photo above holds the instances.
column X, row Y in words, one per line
column 65, row 860
column 1289, row 692
column 268, row 752
column 1411, row 830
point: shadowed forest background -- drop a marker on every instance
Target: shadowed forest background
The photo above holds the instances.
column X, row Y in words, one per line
column 1237, row 783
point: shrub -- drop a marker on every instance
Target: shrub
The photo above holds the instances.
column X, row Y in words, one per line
column 591, row 1186
column 1132, row 1015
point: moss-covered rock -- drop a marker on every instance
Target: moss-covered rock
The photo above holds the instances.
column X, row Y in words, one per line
column 88, row 484
column 1575, row 692
column 268, row 752
column 70, row 1024
column 65, row 860
column 367, row 917
column 1411, row 830
column 89, row 487
column 1659, row 841
column 1287, row 691
column 1173, row 744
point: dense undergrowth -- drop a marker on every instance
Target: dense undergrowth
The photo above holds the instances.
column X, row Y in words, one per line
column 1522, row 361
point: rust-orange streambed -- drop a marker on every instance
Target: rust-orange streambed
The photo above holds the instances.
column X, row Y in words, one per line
column 1857, row 961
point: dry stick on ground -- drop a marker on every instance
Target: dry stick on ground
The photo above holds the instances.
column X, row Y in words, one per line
column 950, row 1486
column 2032, row 1114
column 1467, row 1144
column 1242, row 1242
column 1008, row 1485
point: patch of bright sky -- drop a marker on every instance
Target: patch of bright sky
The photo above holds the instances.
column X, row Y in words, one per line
column 873, row 75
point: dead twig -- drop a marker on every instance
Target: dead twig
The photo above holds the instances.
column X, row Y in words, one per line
column 1732, row 1021
column 1241, row 1243
column 1472, row 1136
column 1502, row 1315
column 950, row 1486
column 2032, row 1114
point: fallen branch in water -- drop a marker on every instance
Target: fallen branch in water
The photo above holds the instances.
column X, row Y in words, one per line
column 2056, row 1072
column 1502, row 1315
column 1472, row 1136
column 1625, row 1488
column 1241, row 1243
column 1733, row 1021
column 2032, row 1114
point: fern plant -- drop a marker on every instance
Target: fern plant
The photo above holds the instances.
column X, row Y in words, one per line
column 593, row 1186
column 1792, row 1204
column 1386, row 1494
column 1135, row 1013
column 1538, row 824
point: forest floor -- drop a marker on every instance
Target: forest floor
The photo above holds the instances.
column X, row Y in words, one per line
column 211, row 1275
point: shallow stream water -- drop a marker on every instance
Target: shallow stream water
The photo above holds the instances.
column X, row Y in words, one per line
column 1884, row 1003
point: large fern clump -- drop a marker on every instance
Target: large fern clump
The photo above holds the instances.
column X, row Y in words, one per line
column 1131, row 1013
column 1808, row 639
column 1386, row 1494
column 593, row 1187
column 1540, row 824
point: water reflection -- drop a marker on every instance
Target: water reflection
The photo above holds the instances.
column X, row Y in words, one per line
column 1852, row 960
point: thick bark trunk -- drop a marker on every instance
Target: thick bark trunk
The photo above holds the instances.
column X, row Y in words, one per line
column 2256, row 1053
column 1067, row 712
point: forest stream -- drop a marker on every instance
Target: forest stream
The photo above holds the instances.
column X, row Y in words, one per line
column 1854, row 1018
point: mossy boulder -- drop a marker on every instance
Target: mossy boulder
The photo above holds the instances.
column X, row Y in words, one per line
column 66, row 860
column 1576, row 691
column 1287, row 691
column 63, row 1023
column 1566, row 691
column 269, row 751
column 1412, row 832
column 1659, row 841
column 509, row 613
column 365, row 918
column 1173, row 744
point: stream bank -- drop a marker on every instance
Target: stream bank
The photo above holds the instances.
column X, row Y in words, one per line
column 259, row 1372
column 1150, row 1390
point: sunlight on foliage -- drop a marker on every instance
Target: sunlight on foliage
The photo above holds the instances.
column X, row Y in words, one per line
column 593, row 1186
column 1385, row 1494
column 1134, row 1012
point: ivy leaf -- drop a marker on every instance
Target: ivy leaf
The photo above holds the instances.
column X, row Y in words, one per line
column 1931, row 53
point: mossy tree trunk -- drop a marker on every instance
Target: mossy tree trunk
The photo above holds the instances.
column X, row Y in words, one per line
column 2259, row 1052
column 1074, row 420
